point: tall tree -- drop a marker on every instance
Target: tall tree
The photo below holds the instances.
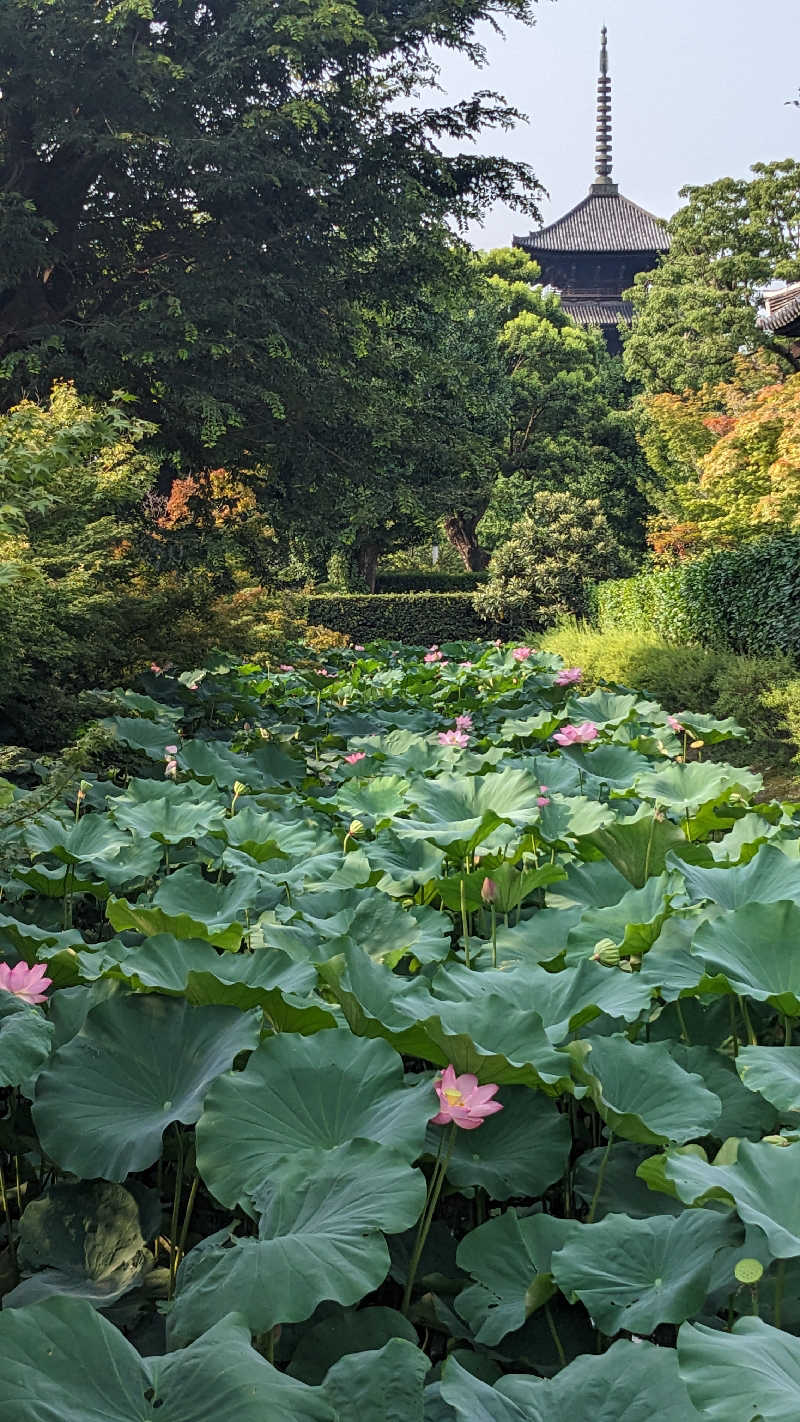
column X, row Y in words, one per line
column 699, row 309
column 200, row 198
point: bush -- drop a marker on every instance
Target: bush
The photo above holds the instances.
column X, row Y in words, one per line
column 419, row 618
column 552, row 555
column 433, row 581
column 744, row 600
column 761, row 693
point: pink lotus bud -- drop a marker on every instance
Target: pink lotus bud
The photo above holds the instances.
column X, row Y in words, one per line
column 488, row 891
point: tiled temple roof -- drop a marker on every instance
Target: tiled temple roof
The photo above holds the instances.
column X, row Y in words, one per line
column 601, row 223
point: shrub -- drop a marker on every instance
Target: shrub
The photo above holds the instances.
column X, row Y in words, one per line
column 432, row 581
column 554, row 552
column 411, row 617
column 743, row 600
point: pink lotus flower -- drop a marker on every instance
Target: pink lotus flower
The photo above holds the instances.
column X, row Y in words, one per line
column 568, row 675
column 463, row 1101
column 29, row 984
column 355, row 756
column 576, row 735
column 358, row 647
column 676, row 725
column 454, row 738
column 521, row 654
column 488, row 891
column 432, row 656
column 542, row 800
column 170, row 763
column 465, row 665
column 464, row 723
column 285, row 666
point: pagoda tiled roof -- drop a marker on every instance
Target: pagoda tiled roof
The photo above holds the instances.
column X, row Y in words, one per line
column 603, row 222
column 783, row 309
column 591, row 312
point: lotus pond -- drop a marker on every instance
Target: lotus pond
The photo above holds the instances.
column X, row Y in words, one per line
column 308, row 910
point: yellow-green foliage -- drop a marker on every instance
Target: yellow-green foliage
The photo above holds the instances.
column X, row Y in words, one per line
column 762, row 693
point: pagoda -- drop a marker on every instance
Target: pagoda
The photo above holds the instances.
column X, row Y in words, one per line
column 592, row 253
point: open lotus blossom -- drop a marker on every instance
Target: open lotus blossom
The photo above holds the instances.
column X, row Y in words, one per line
column 432, row 656
column 576, row 735
column 454, row 738
column 355, row 756
column 675, row 724
column 29, row 984
column 521, row 654
column 462, row 1101
column 568, row 676
column 464, row 723
column 542, row 800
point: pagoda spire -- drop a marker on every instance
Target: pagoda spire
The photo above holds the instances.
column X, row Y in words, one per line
column 603, row 182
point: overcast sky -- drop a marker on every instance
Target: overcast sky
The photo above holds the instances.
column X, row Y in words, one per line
column 698, row 93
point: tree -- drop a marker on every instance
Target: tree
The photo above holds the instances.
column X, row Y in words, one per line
column 204, row 200
column 698, row 310
column 560, row 545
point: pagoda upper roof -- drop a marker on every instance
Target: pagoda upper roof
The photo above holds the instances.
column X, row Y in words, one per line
column 783, row 310
column 603, row 222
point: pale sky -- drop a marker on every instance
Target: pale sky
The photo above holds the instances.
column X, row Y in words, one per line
column 698, row 93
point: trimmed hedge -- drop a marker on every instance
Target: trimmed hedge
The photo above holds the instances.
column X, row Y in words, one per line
column 408, row 617
column 744, row 600
column 432, row 581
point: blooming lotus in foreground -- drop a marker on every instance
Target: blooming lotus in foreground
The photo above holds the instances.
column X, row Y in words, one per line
column 521, row 654
column 676, row 725
column 464, row 723
column 454, row 738
column 576, row 735
column 29, row 984
column 462, row 1101
column 432, row 657
column 355, row 756
column 568, row 676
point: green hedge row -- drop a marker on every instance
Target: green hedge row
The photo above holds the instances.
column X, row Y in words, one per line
column 429, row 581
column 744, row 600
column 408, row 617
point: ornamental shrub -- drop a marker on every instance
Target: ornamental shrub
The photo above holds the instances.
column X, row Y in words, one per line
column 554, row 552
column 418, row 618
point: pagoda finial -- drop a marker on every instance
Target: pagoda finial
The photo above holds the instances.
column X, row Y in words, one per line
column 603, row 182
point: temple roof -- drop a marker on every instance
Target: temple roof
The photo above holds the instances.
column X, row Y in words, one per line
column 588, row 312
column 606, row 222
column 783, row 310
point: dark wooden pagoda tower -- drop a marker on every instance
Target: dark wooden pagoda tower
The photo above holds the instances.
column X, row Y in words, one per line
column 592, row 254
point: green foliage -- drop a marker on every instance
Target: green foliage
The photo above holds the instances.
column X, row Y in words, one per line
column 433, row 581
column 554, row 552
column 417, row 617
column 698, row 311
column 744, row 600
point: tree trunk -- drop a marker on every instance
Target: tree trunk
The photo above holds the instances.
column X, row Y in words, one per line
column 367, row 557
column 460, row 529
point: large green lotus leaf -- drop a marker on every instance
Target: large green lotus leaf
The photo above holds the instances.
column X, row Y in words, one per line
column 743, row 841
column 637, row 845
column 595, row 884
column 344, row 1332
column 643, row 1095
column 637, row 1274
column 61, row 1359
column 509, row 1258
column 710, row 728
column 687, row 787
column 631, row 1382
column 744, row 1112
column 260, row 769
column 468, row 1398
column 537, row 727
column 621, row 1190
column 25, row 1039
column 320, row 1236
column 56, row 882
column 565, row 820
column 405, row 864
column 456, row 810
column 772, row 1071
column 757, row 949
column 140, row 734
column 762, row 1184
column 604, row 708
column 384, row 1385
column 633, row 924
column 616, row 767
column 265, row 978
column 378, row 925
column 669, row 967
column 376, row 801
column 92, row 836
column 751, row 1374
column 262, row 836
column 519, row 1151
column 137, row 1064
column 188, row 906
column 303, row 1093
column 83, row 1239
column 768, row 877
column 565, row 1000
column 168, row 819
column 487, row 1035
